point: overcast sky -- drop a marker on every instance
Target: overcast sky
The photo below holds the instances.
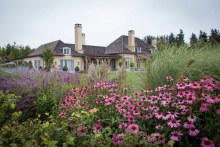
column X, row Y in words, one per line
column 35, row 22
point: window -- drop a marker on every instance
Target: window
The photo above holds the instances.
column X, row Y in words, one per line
column 138, row 49
column 66, row 51
column 68, row 63
column 138, row 64
column 127, row 63
column 36, row 64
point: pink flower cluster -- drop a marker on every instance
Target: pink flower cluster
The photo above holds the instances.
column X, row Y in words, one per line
column 166, row 108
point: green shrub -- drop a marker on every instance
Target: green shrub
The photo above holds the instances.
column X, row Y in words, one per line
column 77, row 68
column 181, row 62
column 65, row 68
column 7, row 103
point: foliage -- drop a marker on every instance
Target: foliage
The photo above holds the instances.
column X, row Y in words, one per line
column 186, row 114
column 65, row 68
column 15, row 51
column 46, row 88
column 172, row 61
column 77, row 68
column 48, row 57
column 7, row 103
column 96, row 72
column 132, row 64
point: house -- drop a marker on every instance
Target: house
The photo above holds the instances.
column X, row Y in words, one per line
column 131, row 48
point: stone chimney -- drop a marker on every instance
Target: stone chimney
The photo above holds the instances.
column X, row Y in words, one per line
column 83, row 38
column 78, row 38
column 131, row 41
column 154, row 43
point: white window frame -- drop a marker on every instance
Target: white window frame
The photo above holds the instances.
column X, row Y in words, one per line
column 127, row 63
column 36, row 64
column 66, row 51
column 138, row 49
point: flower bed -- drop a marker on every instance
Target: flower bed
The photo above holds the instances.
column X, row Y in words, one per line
column 187, row 114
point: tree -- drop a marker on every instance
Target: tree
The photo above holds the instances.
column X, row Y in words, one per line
column 180, row 38
column 48, row 57
column 214, row 37
column 148, row 39
column 172, row 39
column 193, row 40
column 203, row 36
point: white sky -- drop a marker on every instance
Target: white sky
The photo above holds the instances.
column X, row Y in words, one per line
column 35, row 22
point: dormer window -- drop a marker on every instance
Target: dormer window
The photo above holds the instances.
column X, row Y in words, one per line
column 138, row 49
column 66, row 51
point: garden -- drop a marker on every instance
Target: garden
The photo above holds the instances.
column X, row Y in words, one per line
column 173, row 101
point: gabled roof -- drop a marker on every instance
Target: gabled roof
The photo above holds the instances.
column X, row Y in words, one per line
column 120, row 46
column 57, row 48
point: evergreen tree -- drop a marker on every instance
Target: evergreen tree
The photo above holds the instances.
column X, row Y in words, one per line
column 148, row 39
column 180, row 38
column 48, row 57
column 193, row 40
column 214, row 37
column 172, row 39
column 203, row 36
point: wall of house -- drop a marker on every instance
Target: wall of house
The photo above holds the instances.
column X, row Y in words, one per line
column 32, row 59
column 131, row 57
column 78, row 61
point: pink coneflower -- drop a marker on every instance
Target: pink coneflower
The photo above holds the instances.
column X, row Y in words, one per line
column 212, row 100
column 217, row 111
column 145, row 108
column 123, row 126
column 97, row 127
column 188, row 124
column 205, row 142
column 71, row 118
column 148, row 116
column 109, row 101
column 172, row 115
column 159, row 127
column 133, row 128
column 81, row 130
column 193, row 131
column 131, row 119
column 118, row 106
column 158, row 115
column 169, row 78
column 62, row 114
column 191, row 118
column 204, row 107
column 174, row 123
column 195, row 85
column 136, row 112
column 118, row 139
column 151, row 139
column 180, row 94
column 142, row 133
column 181, row 86
column 176, row 135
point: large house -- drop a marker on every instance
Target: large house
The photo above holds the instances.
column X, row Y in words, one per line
column 131, row 48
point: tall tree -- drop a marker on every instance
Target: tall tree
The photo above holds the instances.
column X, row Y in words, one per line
column 148, row 39
column 203, row 36
column 214, row 37
column 172, row 39
column 193, row 40
column 180, row 38
column 48, row 57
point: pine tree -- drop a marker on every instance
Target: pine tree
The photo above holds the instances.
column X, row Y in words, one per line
column 180, row 38
column 203, row 36
column 172, row 39
column 193, row 40
column 214, row 37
